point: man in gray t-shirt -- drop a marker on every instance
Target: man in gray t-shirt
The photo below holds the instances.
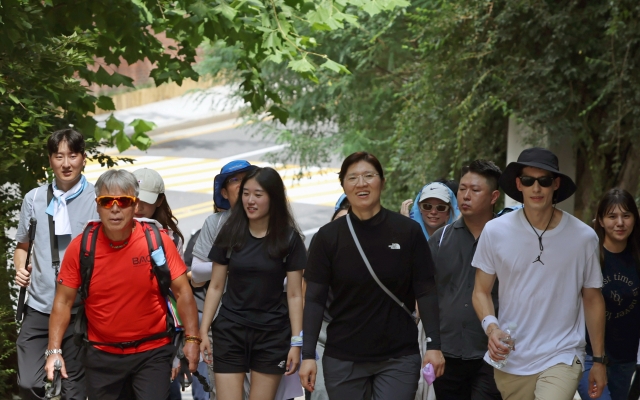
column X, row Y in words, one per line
column 72, row 205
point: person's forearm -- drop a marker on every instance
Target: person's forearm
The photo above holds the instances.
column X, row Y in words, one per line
column 211, row 302
column 315, row 300
column 594, row 313
column 58, row 323
column 187, row 310
column 295, row 312
column 430, row 316
column 20, row 255
column 482, row 304
column 200, row 271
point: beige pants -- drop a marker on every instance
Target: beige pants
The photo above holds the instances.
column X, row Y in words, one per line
column 555, row 383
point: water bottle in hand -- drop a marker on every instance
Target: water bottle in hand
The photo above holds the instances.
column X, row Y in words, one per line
column 509, row 341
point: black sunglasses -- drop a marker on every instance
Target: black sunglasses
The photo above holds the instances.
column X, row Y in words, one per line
column 439, row 207
column 544, row 181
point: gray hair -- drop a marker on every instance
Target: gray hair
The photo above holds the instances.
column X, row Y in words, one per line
column 118, row 179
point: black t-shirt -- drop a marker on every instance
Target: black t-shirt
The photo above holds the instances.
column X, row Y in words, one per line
column 254, row 295
column 622, row 317
column 367, row 324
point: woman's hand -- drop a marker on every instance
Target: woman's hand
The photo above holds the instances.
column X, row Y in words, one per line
column 436, row 359
column 293, row 360
column 308, row 371
column 205, row 348
column 406, row 206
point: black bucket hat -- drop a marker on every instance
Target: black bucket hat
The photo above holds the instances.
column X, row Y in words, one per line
column 536, row 157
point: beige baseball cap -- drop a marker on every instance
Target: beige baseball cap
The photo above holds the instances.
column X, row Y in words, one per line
column 151, row 184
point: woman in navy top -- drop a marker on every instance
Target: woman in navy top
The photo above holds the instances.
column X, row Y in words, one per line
column 618, row 227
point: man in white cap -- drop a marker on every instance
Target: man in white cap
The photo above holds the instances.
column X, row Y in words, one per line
column 548, row 265
column 463, row 343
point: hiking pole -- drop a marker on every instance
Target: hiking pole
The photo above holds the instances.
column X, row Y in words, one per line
column 23, row 290
column 53, row 389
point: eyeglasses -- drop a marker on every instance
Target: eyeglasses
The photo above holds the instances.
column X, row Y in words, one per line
column 122, row 201
column 234, row 180
column 544, row 181
column 439, row 207
column 367, row 177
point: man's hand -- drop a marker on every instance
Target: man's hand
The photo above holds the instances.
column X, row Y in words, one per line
column 293, row 360
column 597, row 380
column 191, row 351
column 406, row 206
column 436, row 359
column 308, row 371
column 23, row 276
column 497, row 349
column 49, row 367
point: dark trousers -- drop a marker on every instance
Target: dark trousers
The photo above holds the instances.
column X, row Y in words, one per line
column 395, row 379
column 466, row 380
column 148, row 372
column 32, row 342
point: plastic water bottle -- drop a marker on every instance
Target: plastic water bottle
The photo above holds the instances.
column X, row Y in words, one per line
column 510, row 342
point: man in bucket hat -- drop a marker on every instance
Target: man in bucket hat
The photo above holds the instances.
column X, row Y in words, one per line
column 548, row 266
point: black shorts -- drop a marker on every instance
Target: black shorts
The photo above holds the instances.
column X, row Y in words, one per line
column 238, row 348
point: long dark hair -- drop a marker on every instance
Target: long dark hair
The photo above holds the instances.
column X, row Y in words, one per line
column 235, row 231
column 164, row 215
column 611, row 199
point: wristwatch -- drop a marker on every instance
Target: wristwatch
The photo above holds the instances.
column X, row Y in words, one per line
column 602, row 360
column 47, row 353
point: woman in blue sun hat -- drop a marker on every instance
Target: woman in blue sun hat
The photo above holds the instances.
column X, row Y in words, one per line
column 435, row 206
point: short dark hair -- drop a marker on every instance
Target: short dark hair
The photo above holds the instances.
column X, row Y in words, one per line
column 235, row 231
column 488, row 169
column 357, row 157
column 74, row 139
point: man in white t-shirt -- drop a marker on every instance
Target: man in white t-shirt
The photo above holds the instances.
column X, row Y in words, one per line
column 548, row 266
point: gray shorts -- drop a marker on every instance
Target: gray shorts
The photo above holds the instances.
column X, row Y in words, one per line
column 396, row 378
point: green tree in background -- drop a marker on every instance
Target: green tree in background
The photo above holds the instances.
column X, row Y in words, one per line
column 434, row 86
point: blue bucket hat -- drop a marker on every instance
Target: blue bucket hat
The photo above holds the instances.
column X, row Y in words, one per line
column 229, row 169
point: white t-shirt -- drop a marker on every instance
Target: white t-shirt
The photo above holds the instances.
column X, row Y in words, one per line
column 545, row 301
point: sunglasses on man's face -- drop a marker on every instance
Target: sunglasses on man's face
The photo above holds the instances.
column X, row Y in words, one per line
column 122, row 201
column 439, row 207
column 544, row 181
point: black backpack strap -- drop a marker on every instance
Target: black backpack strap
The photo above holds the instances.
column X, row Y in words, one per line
column 87, row 257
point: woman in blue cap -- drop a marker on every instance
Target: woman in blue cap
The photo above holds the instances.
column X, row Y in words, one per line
column 434, row 207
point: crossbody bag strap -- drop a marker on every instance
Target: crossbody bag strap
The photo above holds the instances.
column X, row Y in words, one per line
column 442, row 236
column 53, row 239
column 373, row 274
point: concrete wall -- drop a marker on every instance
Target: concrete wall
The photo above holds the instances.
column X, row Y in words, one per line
column 519, row 139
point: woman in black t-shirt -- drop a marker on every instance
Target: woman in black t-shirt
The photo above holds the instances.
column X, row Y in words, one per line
column 618, row 227
column 372, row 342
column 258, row 247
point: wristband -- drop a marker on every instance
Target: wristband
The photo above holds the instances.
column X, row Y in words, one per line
column 488, row 320
column 296, row 341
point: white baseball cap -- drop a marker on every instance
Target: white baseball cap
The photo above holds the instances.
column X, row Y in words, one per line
column 151, row 184
column 436, row 190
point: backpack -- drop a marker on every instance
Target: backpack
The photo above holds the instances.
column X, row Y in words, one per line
column 159, row 268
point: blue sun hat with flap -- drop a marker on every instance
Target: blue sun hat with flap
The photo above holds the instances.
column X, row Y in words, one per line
column 436, row 190
column 232, row 168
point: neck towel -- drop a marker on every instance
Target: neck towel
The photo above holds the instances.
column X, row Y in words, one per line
column 415, row 215
column 58, row 205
